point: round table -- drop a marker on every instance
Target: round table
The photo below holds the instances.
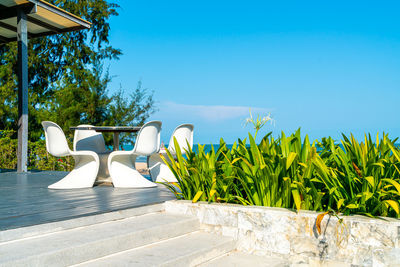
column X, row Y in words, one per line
column 108, row 129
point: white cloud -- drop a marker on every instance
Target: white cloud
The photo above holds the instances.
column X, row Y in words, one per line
column 210, row 113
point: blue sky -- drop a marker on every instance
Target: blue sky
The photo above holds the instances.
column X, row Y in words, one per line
column 327, row 67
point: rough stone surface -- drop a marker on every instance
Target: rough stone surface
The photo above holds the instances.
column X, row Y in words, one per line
column 357, row 241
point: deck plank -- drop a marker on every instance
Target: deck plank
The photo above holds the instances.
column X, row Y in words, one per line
column 25, row 199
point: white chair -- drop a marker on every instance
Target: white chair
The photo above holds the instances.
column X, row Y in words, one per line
column 89, row 140
column 159, row 171
column 93, row 141
column 86, row 162
column 121, row 164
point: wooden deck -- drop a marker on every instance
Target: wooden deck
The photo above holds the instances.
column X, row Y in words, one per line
column 25, row 199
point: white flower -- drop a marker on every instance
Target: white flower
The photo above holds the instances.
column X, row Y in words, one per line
column 259, row 122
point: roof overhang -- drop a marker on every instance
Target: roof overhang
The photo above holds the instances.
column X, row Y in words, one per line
column 43, row 19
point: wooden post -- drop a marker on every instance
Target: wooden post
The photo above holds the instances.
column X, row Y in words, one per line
column 22, row 38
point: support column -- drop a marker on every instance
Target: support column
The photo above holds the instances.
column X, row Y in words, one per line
column 116, row 141
column 22, row 38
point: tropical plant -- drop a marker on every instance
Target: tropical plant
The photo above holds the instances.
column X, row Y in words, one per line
column 195, row 173
column 364, row 177
column 290, row 172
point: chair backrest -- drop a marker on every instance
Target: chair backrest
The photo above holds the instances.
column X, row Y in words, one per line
column 183, row 134
column 56, row 143
column 148, row 138
column 89, row 140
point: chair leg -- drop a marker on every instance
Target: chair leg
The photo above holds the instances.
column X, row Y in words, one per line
column 123, row 172
column 82, row 176
column 159, row 171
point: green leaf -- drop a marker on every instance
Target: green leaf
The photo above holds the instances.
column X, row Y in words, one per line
column 393, row 204
column 197, row 196
column 394, row 183
column 394, row 151
column 290, row 159
column 212, row 193
column 296, row 198
column 367, row 195
column 370, row 180
column 340, row 203
column 353, row 206
column 378, row 164
column 332, row 190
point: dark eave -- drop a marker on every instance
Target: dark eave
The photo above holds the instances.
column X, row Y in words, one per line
column 11, row 12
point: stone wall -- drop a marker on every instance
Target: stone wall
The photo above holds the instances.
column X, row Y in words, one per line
column 357, row 241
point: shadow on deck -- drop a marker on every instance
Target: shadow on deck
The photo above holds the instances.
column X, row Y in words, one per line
column 25, row 199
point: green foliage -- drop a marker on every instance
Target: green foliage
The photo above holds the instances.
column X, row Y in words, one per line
column 8, row 150
column 196, row 174
column 38, row 157
column 129, row 111
column 290, row 172
column 66, row 81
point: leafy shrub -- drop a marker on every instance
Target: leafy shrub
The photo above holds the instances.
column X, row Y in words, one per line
column 290, row 172
column 38, row 157
column 8, row 150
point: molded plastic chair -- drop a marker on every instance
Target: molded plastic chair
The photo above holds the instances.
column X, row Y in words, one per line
column 86, row 162
column 90, row 140
column 159, row 171
column 121, row 164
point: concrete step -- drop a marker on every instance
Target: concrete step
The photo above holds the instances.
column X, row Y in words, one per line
column 241, row 259
column 94, row 241
column 47, row 228
column 187, row 250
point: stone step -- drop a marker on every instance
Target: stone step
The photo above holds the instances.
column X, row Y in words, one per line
column 94, row 241
column 47, row 228
column 241, row 259
column 187, row 250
